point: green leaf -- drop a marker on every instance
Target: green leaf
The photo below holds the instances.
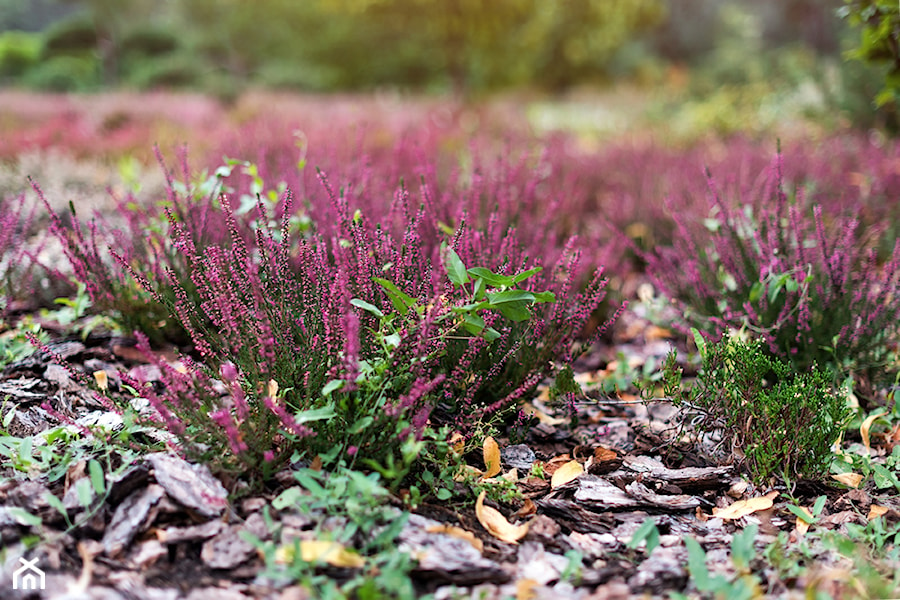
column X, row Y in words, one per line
column 756, row 291
column 490, row 334
column 288, row 498
column 491, row 278
column 367, row 307
column 882, row 477
column 24, row 517
column 544, row 297
column 331, row 386
column 456, row 270
column 819, row 505
column 97, row 478
column 515, row 311
column 317, row 414
column 478, row 294
column 83, row 492
column 697, row 564
column 443, row 494
column 798, row 512
column 511, row 296
column 361, row 424
column 398, row 298
column 56, row 504
column 473, row 323
column 520, row 277
column 647, row 531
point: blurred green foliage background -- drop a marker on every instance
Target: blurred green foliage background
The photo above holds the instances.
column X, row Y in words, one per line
column 719, row 59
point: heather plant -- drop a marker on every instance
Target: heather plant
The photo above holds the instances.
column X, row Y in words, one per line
column 343, row 339
column 810, row 285
column 781, row 422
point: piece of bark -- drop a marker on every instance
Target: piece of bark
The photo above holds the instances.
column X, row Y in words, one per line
column 132, row 516
column 192, row 485
column 680, row 502
column 227, row 549
column 175, row 535
column 596, row 491
column 445, row 558
column 689, row 479
column 575, row 517
column 663, row 570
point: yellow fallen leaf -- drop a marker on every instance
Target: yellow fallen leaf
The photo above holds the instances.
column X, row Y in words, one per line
column 512, row 475
column 272, row 388
column 849, row 479
column 876, row 511
column 530, row 409
column 491, row 457
column 457, row 532
column 525, row 589
column 496, row 524
column 102, row 380
column 331, row 552
column 866, row 425
column 802, row 525
column 457, row 442
column 566, row 473
column 742, row 508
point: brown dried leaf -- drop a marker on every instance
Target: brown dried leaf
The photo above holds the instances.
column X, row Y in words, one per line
column 876, row 511
column 866, row 425
column 457, row 532
column 602, row 454
column 525, row 589
column 528, row 509
column 102, row 380
column 566, row 473
column 543, row 417
column 802, row 525
column 849, row 479
column 457, row 442
column 491, row 457
column 742, row 508
column 496, row 524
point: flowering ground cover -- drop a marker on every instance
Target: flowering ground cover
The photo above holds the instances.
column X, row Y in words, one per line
column 381, row 348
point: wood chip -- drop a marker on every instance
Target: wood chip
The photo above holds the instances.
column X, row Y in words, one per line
column 132, row 516
column 191, row 485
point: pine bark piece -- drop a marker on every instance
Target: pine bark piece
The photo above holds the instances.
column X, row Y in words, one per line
column 192, row 485
column 193, row 533
column 574, row 516
column 673, row 502
column 132, row 516
column 689, row 479
column 593, row 490
column 227, row 549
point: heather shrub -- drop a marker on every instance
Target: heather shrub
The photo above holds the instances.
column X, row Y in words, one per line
column 779, row 421
column 807, row 282
column 334, row 335
column 20, row 272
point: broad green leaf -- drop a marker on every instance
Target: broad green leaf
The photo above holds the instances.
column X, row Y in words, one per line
column 697, row 564
column 8, row 417
column 443, row 494
column 57, row 504
column 490, row 334
column 398, row 298
column 882, row 477
column 491, row 278
column 361, row 424
column 84, row 492
column 800, row 514
column 288, row 498
column 473, row 323
column 467, row 308
column 756, row 291
column 819, row 505
column 24, row 517
column 478, row 294
column 511, row 296
column 367, row 307
column 331, row 386
column 520, row 277
column 544, row 297
column 317, row 414
column 647, row 531
column 456, row 270
column 515, row 311
column 97, row 478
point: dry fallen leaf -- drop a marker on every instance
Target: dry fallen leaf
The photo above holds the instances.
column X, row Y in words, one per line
column 512, row 475
column 849, row 479
column 528, row 509
column 525, row 589
column 496, row 524
column 602, row 454
column 457, row 532
column 102, row 380
column 742, row 508
column 876, row 511
column 457, row 442
column 530, row 409
column 491, row 457
column 566, row 473
column 866, row 425
column 331, row 552
column 802, row 525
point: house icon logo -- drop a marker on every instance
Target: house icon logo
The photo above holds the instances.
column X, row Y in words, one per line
column 28, row 576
